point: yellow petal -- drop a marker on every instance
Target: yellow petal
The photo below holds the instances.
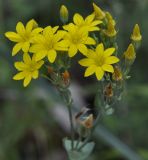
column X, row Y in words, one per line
column 52, row 55
column 59, row 35
column 49, row 30
column 86, row 62
column 91, row 54
column 16, row 48
column 90, row 70
column 26, row 58
column 39, row 64
column 111, row 60
column 39, row 39
column 78, row 19
column 35, row 74
column 61, row 46
column 40, row 55
column 19, row 66
column 19, row 76
column 108, row 52
column 54, row 29
column 26, row 46
column 37, row 30
column 12, row 36
column 30, row 25
column 94, row 23
column 90, row 18
column 108, row 68
column 20, row 28
column 100, row 49
column 35, row 48
column 70, row 27
column 90, row 41
column 27, row 80
column 82, row 48
column 94, row 29
column 72, row 50
column 99, row 73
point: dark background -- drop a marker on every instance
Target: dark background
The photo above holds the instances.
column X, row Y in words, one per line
column 29, row 127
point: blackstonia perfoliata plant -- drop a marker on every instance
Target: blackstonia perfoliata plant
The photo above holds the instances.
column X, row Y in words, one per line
column 94, row 39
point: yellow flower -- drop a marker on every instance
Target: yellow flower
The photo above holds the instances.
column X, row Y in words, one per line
column 130, row 53
column 64, row 14
column 99, row 14
column 77, row 39
column 23, row 36
column 89, row 23
column 136, row 35
column 48, row 43
column 28, row 69
column 110, row 31
column 99, row 61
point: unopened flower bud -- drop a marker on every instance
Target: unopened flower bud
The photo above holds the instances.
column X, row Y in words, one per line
column 64, row 14
column 111, row 31
column 110, row 18
column 136, row 35
column 130, row 53
column 99, row 14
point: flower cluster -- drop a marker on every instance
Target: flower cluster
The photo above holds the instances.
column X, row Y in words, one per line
column 93, row 36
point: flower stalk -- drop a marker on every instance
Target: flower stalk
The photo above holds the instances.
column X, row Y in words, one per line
column 66, row 96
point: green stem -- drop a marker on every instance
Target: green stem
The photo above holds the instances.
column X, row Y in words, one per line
column 79, row 140
column 86, row 141
column 66, row 96
column 72, row 126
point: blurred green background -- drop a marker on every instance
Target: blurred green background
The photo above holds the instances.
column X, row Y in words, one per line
column 32, row 125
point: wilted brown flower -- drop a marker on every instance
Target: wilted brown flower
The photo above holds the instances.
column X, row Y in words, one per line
column 117, row 75
column 108, row 91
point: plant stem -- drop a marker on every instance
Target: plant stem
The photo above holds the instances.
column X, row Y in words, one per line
column 86, row 141
column 79, row 140
column 66, row 96
column 71, row 124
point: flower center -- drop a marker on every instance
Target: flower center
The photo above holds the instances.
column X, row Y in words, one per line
column 31, row 67
column 99, row 61
column 76, row 38
column 49, row 45
column 26, row 36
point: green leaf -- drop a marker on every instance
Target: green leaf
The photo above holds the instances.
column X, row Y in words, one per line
column 78, row 155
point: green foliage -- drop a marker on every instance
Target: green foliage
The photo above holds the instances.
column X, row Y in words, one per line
column 81, row 155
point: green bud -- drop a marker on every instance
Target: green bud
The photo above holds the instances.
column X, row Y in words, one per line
column 64, row 14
